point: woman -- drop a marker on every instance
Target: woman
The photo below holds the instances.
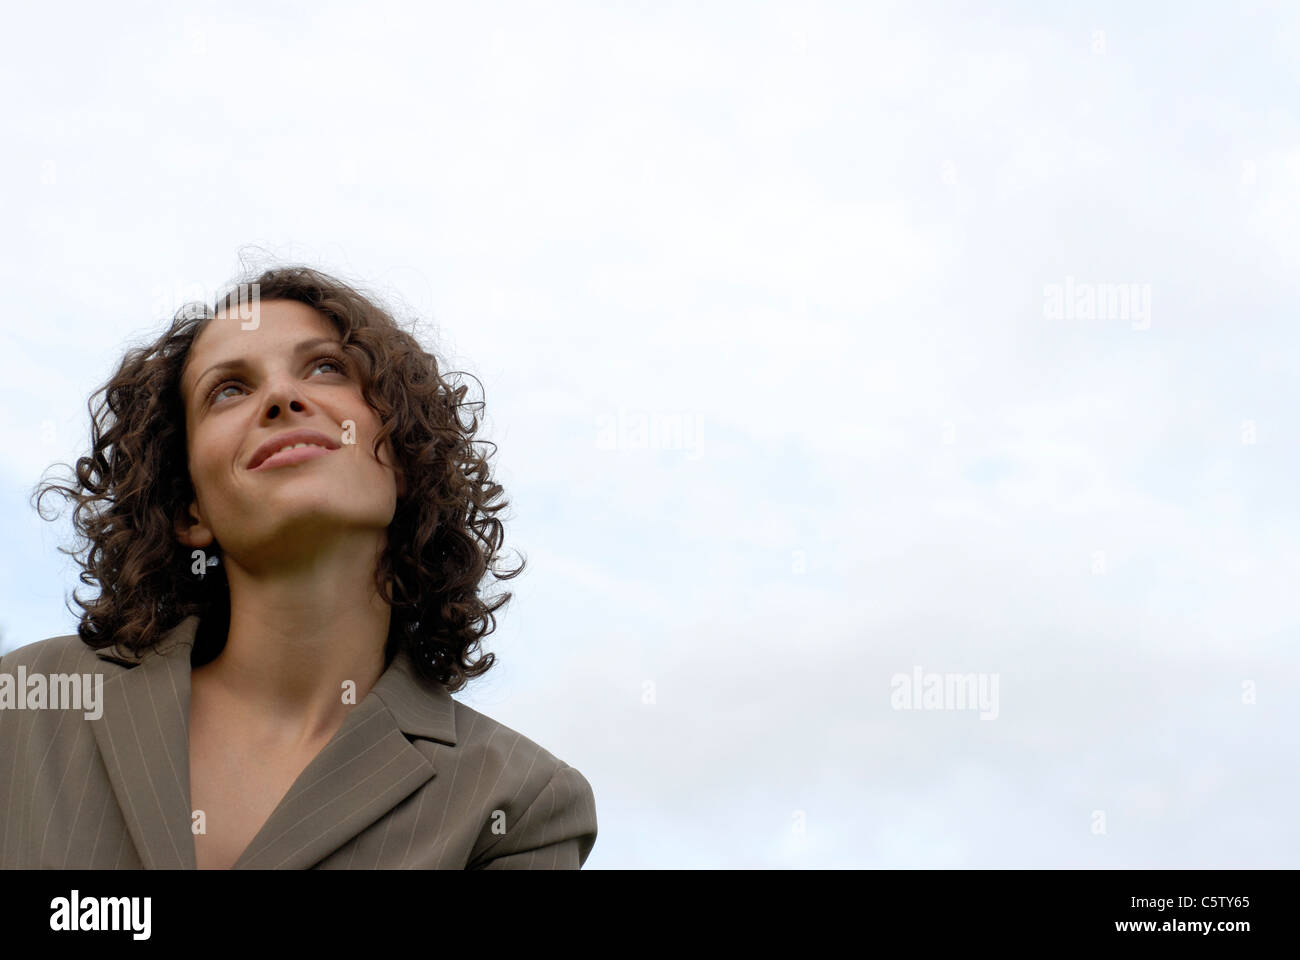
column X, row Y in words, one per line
column 289, row 523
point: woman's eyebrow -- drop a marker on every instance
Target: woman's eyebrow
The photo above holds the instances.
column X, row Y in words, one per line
column 239, row 362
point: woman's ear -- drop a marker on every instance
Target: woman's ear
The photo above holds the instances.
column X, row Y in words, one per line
column 191, row 530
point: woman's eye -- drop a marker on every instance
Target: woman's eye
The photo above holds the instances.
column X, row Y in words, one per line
column 326, row 362
column 320, row 362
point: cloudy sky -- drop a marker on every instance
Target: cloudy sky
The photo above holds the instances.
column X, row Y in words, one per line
column 825, row 346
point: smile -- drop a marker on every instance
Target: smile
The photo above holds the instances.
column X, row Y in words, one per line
column 288, row 456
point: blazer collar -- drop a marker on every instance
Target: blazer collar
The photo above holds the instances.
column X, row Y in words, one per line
column 421, row 709
column 367, row 768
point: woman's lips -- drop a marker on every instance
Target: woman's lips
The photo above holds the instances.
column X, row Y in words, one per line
column 291, row 455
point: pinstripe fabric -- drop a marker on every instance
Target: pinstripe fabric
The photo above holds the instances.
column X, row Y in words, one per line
column 413, row 779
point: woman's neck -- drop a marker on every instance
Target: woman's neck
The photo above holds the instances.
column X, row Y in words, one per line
column 302, row 648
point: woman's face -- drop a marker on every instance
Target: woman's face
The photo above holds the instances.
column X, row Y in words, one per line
column 280, row 515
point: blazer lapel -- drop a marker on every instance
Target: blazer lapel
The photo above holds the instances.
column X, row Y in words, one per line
column 143, row 738
column 368, row 767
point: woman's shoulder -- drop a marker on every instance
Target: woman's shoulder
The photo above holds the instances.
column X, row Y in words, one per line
column 62, row 654
column 548, row 808
column 501, row 751
column 44, row 683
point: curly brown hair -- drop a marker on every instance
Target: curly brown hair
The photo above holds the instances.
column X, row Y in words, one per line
column 443, row 538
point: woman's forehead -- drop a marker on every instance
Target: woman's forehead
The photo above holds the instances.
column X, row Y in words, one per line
column 279, row 326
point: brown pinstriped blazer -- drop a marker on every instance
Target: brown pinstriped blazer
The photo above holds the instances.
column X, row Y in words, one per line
column 412, row 779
